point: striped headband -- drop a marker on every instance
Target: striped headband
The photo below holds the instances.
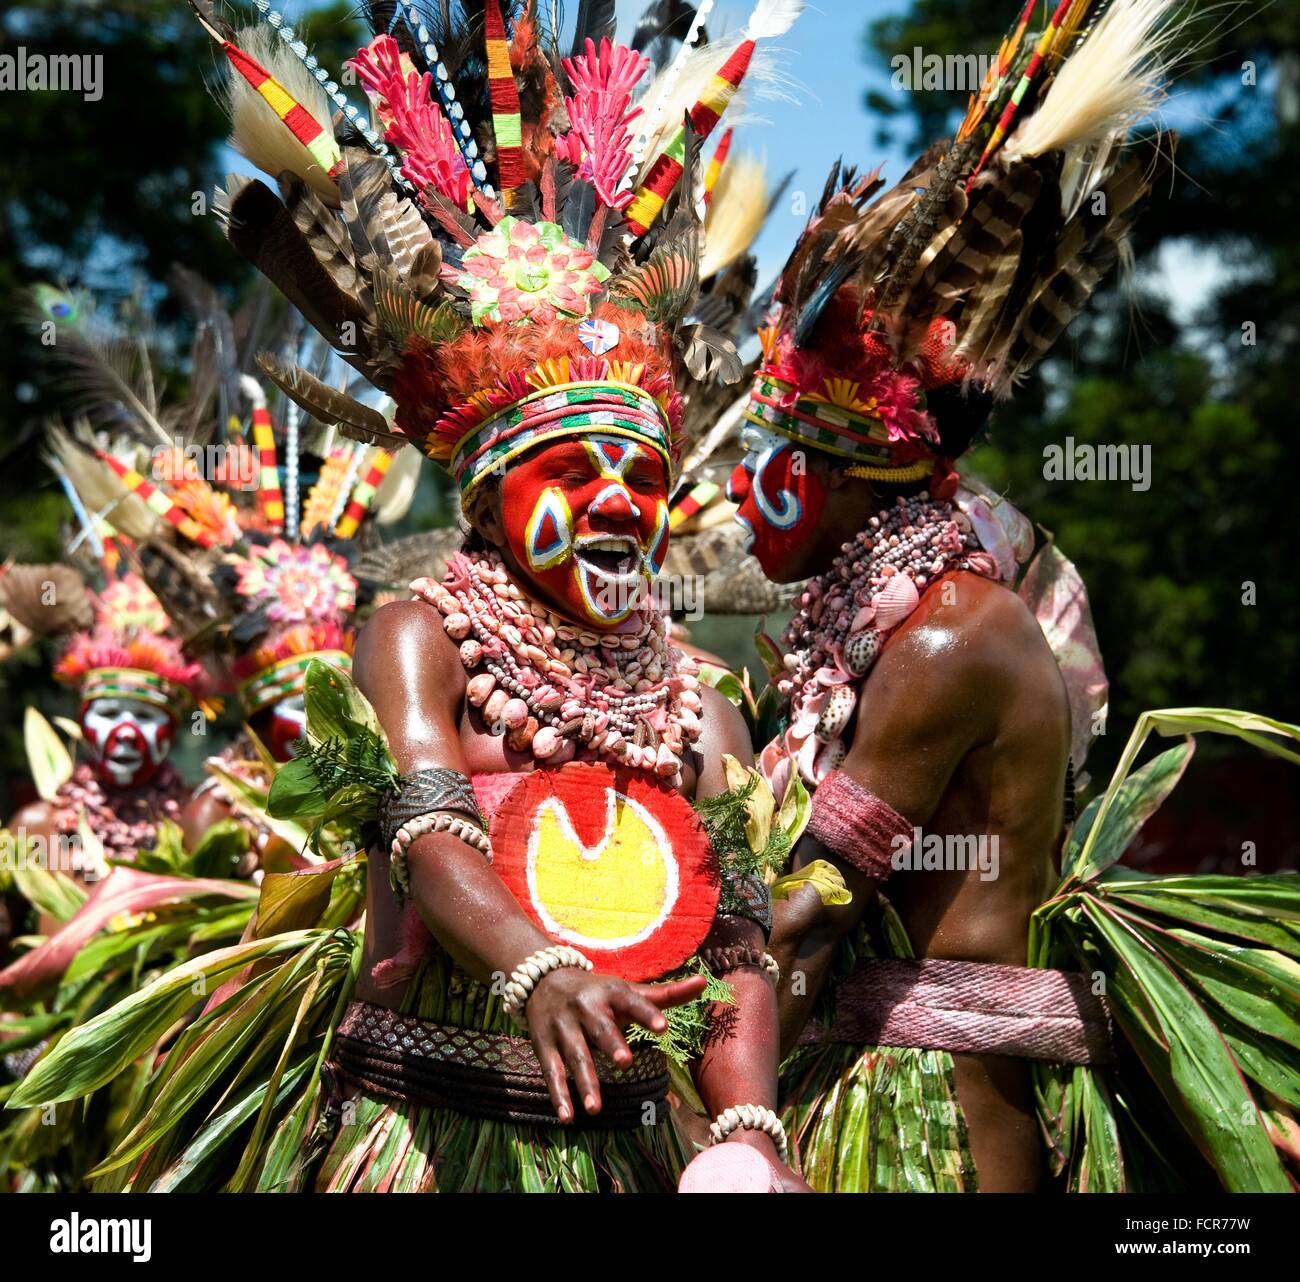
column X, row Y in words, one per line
column 855, row 434
column 132, row 683
column 569, row 409
column 285, row 678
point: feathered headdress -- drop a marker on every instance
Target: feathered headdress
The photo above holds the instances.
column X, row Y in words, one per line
column 220, row 535
column 127, row 655
column 899, row 319
column 517, row 257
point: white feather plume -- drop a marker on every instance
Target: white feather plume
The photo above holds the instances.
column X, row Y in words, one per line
column 736, row 212
column 258, row 133
column 1112, row 81
column 772, row 18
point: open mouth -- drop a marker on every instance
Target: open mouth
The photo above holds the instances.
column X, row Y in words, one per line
column 610, row 558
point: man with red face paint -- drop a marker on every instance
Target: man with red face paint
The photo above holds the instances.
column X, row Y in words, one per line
column 134, row 685
column 920, row 698
column 544, row 648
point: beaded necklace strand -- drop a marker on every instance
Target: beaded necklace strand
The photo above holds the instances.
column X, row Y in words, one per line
column 846, row 614
column 552, row 687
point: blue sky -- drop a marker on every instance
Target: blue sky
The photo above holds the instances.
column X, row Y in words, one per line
column 823, row 55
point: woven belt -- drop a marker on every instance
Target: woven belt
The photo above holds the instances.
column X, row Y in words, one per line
column 977, row 1008
column 480, row 1073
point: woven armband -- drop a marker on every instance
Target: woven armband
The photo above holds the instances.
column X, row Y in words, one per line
column 856, row 825
column 747, row 896
column 435, row 800
column 424, row 792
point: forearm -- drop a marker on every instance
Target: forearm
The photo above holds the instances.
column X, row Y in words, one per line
column 468, row 909
column 805, row 968
column 805, row 933
column 739, row 1063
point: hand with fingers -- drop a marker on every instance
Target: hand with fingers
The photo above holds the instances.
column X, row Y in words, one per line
column 572, row 1011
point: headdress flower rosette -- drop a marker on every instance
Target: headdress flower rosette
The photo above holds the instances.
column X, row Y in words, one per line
column 296, row 583
column 307, row 594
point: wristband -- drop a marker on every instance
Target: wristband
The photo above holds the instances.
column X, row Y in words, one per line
column 524, row 978
column 750, row 1117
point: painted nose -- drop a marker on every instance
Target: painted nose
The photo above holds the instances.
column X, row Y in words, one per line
column 615, row 504
column 739, row 483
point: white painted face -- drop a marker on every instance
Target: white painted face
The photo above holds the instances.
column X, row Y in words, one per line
column 130, row 739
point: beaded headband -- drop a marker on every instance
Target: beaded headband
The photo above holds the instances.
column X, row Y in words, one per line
column 568, row 409
column 284, row 679
column 866, row 411
column 857, row 434
column 131, row 683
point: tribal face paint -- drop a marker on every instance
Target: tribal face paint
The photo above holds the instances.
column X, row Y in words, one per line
column 129, row 739
column 587, row 519
column 778, row 497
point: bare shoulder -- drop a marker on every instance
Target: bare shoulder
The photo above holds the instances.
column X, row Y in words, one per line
column 724, row 727
column 402, row 622
column 401, row 633
column 975, row 627
column 407, row 665
column 723, row 732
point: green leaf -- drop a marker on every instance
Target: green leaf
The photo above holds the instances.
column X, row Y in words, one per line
column 1261, row 1059
column 1126, row 807
column 731, row 687
column 770, row 654
column 220, row 849
column 95, row 1052
column 54, row 894
column 335, row 707
column 295, row 900
column 1098, row 1165
column 796, row 809
column 168, row 853
column 1212, row 1094
column 1199, row 912
column 1258, row 987
column 48, row 759
column 1267, row 896
column 192, row 1171
column 295, row 791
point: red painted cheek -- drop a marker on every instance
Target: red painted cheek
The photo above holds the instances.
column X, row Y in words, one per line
column 780, row 502
column 738, row 484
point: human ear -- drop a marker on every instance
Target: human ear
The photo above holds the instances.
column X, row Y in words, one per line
column 485, row 516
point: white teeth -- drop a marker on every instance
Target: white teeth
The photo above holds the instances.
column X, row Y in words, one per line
column 622, row 577
column 610, row 544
